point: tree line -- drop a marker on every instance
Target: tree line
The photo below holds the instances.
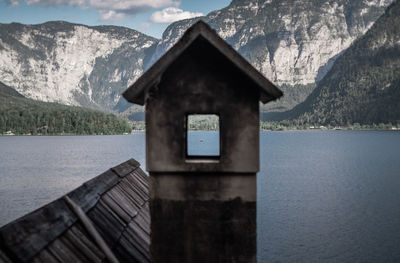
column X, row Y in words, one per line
column 24, row 116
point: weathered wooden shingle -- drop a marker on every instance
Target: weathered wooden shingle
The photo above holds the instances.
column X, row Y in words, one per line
column 4, row 258
column 116, row 204
column 26, row 236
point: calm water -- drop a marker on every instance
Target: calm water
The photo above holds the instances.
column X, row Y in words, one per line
column 203, row 143
column 323, row 196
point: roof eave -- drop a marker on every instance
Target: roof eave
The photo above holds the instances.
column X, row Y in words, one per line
column 265, row 98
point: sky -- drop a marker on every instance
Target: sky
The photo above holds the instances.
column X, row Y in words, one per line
column 147, row 16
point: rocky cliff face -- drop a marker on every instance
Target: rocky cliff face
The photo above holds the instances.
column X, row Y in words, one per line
column 289, row 41
column 292, row 42
column 72, row 64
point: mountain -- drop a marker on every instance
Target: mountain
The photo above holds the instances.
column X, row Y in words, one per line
column 72, row 64
column 292, row 42
column 6, row 91
column 363, row 85
column 20, row 115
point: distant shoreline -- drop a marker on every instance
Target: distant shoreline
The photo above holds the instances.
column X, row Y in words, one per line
column 65, row 134
column 288, row 126
column 264, row 126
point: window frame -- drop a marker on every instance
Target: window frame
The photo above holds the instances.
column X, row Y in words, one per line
column 201, row 158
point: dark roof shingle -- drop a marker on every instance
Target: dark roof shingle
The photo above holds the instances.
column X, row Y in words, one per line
column 116, row 202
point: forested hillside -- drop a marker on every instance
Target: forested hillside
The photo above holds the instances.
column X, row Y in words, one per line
column 19, row 115
column 363, row 85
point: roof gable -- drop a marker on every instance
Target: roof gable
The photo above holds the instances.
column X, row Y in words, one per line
column 138, row 92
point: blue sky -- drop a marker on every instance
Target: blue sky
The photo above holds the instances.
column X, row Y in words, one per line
column 148, row 16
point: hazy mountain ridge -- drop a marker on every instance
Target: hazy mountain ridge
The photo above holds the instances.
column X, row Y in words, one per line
column 70, row 63
column 363, row 85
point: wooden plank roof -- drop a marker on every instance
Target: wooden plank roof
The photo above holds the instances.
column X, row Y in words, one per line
column 114, row 203
column 138, row 92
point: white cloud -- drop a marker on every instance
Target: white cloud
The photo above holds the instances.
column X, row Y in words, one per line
column 116, row 10
column 172, row 14
column 130, row 6
column 55, row 2
column 12, row 2
column 109, row 10
column 111, row 16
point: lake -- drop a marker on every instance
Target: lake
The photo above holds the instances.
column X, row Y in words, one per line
column 323, row 196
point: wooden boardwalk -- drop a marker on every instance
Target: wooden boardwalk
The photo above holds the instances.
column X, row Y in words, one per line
column 105, row 220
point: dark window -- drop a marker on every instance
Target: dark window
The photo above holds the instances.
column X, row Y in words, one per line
column 203, row 139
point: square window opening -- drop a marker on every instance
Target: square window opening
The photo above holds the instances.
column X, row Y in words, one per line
column 203, row 136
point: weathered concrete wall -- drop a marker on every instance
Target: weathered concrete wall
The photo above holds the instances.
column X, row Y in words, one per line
column 203, row 210
column 196, row 84
column 203, row 217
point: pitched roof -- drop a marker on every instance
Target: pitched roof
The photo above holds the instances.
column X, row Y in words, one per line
column 137, row 93
column 114, row 204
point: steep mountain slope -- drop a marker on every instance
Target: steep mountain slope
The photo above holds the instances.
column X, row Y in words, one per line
column 72, row 64
column 19, row 115
column 363, row 85
column 289, row 41
column 292, row 42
